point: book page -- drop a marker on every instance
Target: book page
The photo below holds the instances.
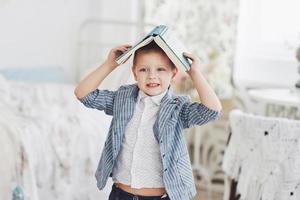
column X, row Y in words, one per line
column 130, row 51
column 177, row 46
column 140, row 43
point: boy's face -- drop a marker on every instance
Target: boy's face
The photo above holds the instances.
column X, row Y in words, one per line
column 153, row 72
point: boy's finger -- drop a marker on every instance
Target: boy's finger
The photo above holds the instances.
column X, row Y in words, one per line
column 127, row 45
column 189, row 55
column 121, row 49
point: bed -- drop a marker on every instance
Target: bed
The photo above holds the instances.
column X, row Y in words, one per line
column 50, row 143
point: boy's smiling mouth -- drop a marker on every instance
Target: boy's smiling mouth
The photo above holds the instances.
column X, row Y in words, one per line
column 152, row 84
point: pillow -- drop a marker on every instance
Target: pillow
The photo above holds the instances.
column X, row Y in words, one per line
column 34, row 74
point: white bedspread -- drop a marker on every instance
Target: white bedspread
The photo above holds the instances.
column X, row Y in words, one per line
column 50, row 143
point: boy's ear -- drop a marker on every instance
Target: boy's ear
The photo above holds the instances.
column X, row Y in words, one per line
column 175, row 71
column 133, row 71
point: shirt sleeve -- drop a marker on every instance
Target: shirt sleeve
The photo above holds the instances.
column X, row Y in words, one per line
column 101, row 100
column 197, row 114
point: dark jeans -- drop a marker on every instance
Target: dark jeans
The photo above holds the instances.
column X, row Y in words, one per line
column 118, row 194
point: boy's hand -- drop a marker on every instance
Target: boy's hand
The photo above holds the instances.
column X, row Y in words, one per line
column 207, row 96
column 195, row 68
column 114, row 53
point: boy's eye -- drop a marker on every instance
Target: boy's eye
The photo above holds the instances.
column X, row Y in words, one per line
column 142, row 69
column 161, row 69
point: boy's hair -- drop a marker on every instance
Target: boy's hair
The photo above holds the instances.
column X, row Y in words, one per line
column 151, row 47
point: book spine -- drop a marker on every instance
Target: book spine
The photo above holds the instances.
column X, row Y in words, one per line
column 159, row 30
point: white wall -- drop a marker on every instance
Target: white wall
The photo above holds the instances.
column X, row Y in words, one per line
column 98, row 37
column 45, row 33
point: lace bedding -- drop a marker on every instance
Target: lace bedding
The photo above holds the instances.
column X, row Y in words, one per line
column 50, row 143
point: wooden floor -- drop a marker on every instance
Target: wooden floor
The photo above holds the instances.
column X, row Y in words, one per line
column 203, row 195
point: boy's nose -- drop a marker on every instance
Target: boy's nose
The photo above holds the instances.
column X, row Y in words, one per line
column 152, row 74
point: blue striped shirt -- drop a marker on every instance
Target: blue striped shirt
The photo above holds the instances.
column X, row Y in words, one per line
column 175, row 114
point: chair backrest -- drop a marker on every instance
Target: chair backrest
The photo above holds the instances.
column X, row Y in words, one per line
column 263, row 155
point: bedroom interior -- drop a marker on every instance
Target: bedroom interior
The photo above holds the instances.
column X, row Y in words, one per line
column 251, row 56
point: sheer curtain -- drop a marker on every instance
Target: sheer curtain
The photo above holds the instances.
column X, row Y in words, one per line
column 267, row 37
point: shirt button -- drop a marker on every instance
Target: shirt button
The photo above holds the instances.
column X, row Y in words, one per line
column 165, row 169
column 163, row 155
column 161, row 141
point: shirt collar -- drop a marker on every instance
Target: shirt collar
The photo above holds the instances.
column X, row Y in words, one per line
column 155, row 99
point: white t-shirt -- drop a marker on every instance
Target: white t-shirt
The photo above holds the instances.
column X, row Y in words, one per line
column 139, row 162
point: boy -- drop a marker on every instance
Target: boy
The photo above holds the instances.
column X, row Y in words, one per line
column 145, row 152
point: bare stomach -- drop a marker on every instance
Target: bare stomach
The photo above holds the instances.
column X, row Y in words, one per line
column 142, row 191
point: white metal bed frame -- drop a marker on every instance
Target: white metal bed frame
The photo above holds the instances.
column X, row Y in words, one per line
column 84, row 45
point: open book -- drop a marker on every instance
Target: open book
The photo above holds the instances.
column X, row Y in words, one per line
column 167, row 41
